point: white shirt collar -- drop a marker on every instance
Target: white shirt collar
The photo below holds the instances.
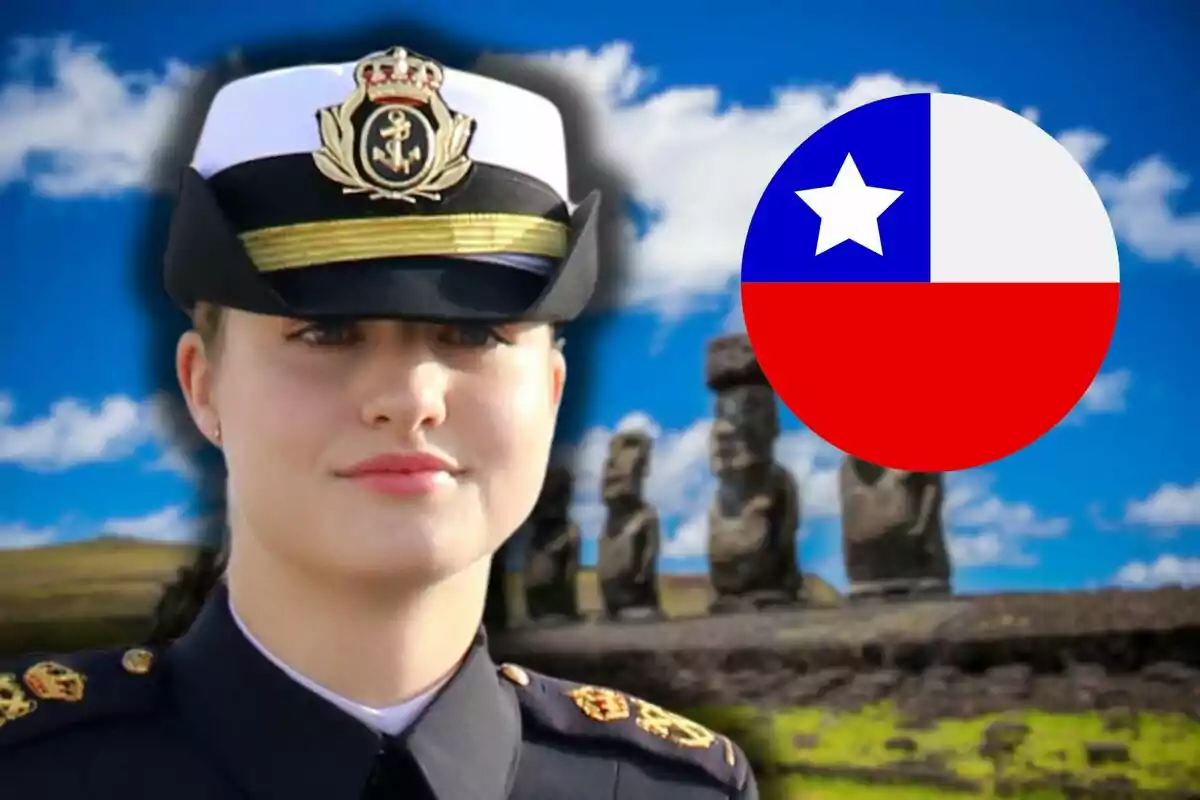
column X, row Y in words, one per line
column 391, row 720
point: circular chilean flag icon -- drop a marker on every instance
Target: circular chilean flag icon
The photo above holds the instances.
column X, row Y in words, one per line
column 930, row 282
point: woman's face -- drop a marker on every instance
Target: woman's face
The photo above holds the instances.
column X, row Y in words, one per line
column 301, row 406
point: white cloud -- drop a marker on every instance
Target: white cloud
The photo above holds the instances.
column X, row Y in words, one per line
column 696, row 163
column 91, row 130
column 74, row 433
column 984, row 529
column 985, row 550
column 1001, row 516
column 638, row 421
column 814, row 463
column 19, row 536
column 171, row 524
column 1139, row 203
column 1084, row 145
column 690, row 537
column 1166, row 570
column 1171, row 505
column 1107, row 393
column 178, row 460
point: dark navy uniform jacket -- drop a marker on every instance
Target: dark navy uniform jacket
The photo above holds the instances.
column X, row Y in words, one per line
column 209, row 718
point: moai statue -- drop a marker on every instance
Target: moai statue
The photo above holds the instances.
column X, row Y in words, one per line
column 892, row 536
column 552, row 557
column 627, row 561
column 755, row 517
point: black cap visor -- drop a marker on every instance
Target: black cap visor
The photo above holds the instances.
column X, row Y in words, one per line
column 206, row 259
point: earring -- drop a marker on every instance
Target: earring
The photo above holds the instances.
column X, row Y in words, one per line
column 217, row 432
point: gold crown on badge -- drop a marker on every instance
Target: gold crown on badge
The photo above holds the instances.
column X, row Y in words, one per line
column 399, row 74
column 394, row 137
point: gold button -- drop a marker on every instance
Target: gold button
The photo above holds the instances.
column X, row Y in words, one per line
column 137, row 661
column 515, row 674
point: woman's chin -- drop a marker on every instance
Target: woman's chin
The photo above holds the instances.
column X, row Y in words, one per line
column 408, row 557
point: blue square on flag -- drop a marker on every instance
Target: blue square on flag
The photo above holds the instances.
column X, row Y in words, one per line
column 851, row 204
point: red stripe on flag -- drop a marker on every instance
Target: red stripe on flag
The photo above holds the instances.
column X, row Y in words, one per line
column 988, row 367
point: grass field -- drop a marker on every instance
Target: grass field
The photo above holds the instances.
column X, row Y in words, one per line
column 101, row 592
column 119, row 577
column 1163, row 751
column 95, row 593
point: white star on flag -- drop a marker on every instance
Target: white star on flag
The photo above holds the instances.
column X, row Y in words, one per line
column 849, row 209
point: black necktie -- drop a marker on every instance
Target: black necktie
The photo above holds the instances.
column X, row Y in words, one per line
column 395, row 774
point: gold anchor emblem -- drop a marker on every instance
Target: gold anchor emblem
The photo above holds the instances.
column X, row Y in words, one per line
column 394, row 137
column 393, row 154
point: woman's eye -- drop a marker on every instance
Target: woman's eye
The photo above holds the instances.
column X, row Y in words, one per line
column 472, row 336
column 328, row 334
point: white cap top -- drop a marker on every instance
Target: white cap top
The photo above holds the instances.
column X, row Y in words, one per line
column 275, row 113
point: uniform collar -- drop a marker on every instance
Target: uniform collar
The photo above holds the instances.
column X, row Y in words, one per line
column 391, row 720
column 279, row 740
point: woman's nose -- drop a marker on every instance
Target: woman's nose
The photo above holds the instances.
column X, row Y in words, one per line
column 409, row 395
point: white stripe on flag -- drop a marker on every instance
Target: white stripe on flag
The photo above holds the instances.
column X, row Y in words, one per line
column 1009, row 204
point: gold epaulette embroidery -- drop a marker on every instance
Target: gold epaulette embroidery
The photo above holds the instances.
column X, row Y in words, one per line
column 620, row 716
column 31, row 687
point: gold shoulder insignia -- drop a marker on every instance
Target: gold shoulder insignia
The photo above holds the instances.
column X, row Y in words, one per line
column 599, row 703
column 51, row 680
column 394, row 137
column 678, row 729
column 14, row 703
column 70, row 688
column 624, row 717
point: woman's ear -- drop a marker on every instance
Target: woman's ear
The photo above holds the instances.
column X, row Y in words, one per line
column 194, row 370
column 558, row 375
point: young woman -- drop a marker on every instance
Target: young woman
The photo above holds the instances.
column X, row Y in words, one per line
column 375, row 257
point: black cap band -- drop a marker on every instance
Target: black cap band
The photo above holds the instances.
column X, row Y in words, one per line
column 206, row 260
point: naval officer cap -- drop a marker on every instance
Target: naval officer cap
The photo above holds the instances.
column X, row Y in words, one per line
column 393, row 187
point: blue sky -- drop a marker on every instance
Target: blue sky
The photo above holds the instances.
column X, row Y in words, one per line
column 696, row 111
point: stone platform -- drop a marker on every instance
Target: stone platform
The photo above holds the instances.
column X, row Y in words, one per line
column 1025, row 647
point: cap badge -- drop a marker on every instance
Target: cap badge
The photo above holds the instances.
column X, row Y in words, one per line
column 394, row 137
